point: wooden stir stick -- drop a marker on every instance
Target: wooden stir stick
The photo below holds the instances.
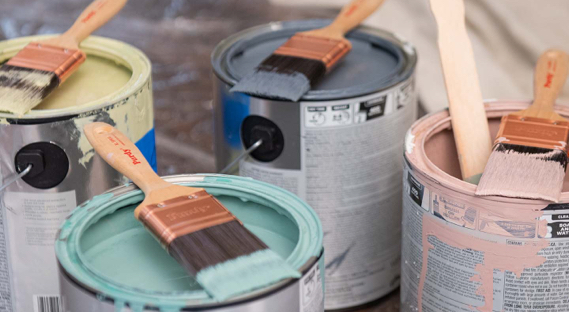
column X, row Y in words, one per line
column 469, row 122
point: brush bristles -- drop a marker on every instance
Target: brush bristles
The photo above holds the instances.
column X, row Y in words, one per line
column 21, row 89
column 282, row 77
column 244, row 274
column 525, row 172
column 214, row 245
column 228, row 260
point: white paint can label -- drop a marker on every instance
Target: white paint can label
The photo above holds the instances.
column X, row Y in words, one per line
column 350, row 168
column 311, row 291
column 28, row 265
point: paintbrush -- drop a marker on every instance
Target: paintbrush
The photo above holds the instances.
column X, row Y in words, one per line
column 194, row 227
column 529, row 158
column 305, row 58
column 466, row 106
column 40, row 67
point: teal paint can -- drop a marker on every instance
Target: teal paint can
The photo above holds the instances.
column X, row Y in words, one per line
column 109, row 262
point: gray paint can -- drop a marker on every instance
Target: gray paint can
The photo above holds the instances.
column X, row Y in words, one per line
column 339, row 148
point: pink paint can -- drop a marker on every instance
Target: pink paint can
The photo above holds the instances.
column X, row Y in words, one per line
column 461, row 252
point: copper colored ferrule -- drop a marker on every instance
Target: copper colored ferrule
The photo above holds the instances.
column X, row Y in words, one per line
column 183, row 215
column 61, row 61
column 328, row 51
column 531, row 131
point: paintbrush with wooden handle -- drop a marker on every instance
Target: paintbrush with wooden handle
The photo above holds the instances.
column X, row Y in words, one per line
column 529, row 158
column 196, row 229
column 306, row 57
column 40, row 67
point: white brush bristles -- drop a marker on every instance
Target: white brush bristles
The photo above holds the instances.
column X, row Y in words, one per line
column 23, row 89
column 524, row 175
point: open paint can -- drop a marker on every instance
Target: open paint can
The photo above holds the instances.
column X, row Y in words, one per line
column 339, row 148
column 467, row 253
column 114, row 86
column 110, row 262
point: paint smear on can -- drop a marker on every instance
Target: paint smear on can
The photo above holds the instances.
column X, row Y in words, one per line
column 513, row 221
column 496, row 256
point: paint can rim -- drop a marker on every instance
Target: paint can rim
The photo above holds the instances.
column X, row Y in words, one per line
column 120, row 52
column 392, row 43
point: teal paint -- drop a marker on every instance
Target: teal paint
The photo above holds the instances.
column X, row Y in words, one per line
column 236, row 274
column 119, row 305
column 104, row 248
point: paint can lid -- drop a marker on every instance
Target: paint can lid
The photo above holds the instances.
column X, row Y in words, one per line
column 106, row 55
column 378, row 59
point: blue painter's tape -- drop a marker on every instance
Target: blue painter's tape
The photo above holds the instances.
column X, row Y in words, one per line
column 147, row 145
column 235, row 109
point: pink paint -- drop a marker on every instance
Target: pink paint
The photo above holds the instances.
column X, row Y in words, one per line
column 434, row 163
column 497, row 256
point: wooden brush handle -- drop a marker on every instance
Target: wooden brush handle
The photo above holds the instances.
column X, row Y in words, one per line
column 97, row 14
column 549, row 78
column 469, row 122
column 119, row 152
column 350, row 16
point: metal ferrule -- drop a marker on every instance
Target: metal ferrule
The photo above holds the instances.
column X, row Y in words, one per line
column 61, row 61
column 183, row 215
column 531, row 131
column 328, row 51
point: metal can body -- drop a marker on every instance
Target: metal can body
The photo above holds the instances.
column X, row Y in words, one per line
column 285, row 223
column 338, row 148
column 461, row 252
column 36, row 205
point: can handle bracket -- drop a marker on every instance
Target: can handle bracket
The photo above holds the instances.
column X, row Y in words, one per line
column 16, row 177
column 244, row 154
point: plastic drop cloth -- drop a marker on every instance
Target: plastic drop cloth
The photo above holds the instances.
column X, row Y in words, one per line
column 508, row 36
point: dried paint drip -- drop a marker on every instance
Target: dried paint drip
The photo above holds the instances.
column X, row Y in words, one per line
column 466, row 253
column 494, row 256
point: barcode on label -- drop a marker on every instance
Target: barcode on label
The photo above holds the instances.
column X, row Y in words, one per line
column 47, row 304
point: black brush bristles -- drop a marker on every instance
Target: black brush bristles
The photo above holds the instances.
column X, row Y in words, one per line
column 23, row 88
column 524, row 171
column 214, row 245
column 282, row 77
column 545, row 154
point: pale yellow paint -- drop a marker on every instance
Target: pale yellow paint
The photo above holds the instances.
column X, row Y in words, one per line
column 114, row 73
column 95, row 79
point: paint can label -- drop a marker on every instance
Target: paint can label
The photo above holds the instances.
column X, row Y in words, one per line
column 312, row 291
column 349, row 172
column 460, row 256
column 28, row 280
